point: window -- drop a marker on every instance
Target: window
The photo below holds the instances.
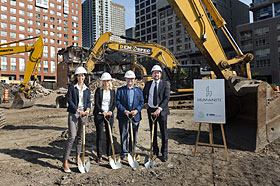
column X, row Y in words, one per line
column 13, row 35
column 66, row 36
column 278, row 27
column 38, row 31
column 52, row 52
column 51, row 12
column 14, row 3
column 3, row 63
column 59, row 28
column 261, row 31
column 30, row 30
column 65, row 43
column 21, row 28
column 30, row 22
column 29, row 14
column 39, row 68
column 37, row 16
column 21, row 4
column 59, row 35
column 21, row 12
column 3, row 25
column 45, row 25
column 21, row 20
column 52, row 41
column 52, row 19
column 52, row 66
column 58, row 7
column 52, row 26
column 21, row 64
column 52, row 33
column 262, row 52
column 59, row 21
column 45, row 32
column 45, row 18
column 3, row 16
column 21, row 36
column 13, row 64
column 4, row 8
column 52, row 5
column 4, row 33
column 46, row 51
column 58, row 13
column 13, row 11
column 13, row 27
column 30, row 7
column 38, row 23
column 46, row 66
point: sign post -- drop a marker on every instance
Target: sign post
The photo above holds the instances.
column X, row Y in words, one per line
column 209, row 108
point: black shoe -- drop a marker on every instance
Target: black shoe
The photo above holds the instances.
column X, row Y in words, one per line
column 164, row 158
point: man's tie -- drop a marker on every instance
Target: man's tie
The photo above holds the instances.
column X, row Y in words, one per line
column 155, row 95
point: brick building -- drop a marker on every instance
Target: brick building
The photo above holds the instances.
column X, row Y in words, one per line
column 59, row 23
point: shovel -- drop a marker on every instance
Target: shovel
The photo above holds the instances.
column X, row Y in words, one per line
column 132, row 157
column 114, row 161
column 150, row 160
column 83, row 163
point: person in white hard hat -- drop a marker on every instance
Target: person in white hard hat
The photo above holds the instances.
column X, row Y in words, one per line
column 79, row 105
column 129, row 102
column 104, row 105
column 156, row 96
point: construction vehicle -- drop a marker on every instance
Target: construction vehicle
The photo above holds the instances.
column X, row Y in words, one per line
column 252, row 107
column 23, row 98
column 180, row 76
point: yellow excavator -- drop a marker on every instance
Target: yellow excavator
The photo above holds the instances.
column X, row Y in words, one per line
column 180, row 76
column 23, row 98
column 252, row 106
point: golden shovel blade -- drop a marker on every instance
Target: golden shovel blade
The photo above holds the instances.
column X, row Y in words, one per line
column 132, row 161
column 115, row 163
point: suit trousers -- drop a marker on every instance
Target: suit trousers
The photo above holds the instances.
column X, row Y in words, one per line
column 75, row 130
column 124, row 130
column 162, row 121
column 99, row 123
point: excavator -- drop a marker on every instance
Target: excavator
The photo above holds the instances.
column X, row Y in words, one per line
column 180, row 76
column 252, row 106
column 23, row 98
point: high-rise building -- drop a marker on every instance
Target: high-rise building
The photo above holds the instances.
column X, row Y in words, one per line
column 156, row 21
column 118, row 22
column 130, row 33
column 59, row 23
column 262, row 38
column 96, row 20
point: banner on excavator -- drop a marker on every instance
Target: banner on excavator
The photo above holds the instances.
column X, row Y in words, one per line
column 209, row 101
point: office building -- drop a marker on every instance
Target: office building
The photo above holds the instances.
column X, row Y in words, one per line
column 118, row 22
column 156, row 21
column 96, row 20
column 59, row 23
column 262, row 38
column 130, row 33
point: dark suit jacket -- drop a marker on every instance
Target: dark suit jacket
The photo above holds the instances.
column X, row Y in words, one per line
column 98, row 97
column 73, row 99
column 122, row 103
column 163, row 95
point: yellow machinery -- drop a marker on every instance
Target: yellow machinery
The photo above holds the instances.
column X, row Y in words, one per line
column 252, row 107
column 180, row 76
column 23, row 97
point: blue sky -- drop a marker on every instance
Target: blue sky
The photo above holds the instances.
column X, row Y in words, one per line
column 130, row 10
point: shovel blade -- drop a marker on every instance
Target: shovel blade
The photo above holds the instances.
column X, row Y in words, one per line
column 83, row 166
column 149, row 162
column 132, row 161
column 115, row 164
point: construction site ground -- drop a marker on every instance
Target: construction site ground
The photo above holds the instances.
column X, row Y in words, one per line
column 32, row 143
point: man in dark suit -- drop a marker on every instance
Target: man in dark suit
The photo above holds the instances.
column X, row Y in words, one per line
column 129, row 102
column 156, row 96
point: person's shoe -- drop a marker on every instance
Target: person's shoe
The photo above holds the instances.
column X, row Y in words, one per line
column 100, row 160
column 66, row 170
column 165, row 158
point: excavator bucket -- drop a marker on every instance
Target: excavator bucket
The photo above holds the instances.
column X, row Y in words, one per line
column 21, row 102
column 253, row 114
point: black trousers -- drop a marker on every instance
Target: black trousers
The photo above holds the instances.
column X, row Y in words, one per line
column 99, row 123
column 162, row 121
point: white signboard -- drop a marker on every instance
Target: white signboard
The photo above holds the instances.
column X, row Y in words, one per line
column 209, row 101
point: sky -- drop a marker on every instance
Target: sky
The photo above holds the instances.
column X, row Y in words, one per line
column 130, row 11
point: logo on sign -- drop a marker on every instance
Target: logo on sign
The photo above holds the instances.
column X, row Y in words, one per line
column 135, row 49
column 208, row 92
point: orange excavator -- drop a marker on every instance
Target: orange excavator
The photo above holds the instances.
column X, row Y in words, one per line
column 252, row 106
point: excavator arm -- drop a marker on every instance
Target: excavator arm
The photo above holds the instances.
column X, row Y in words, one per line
column 252, row 107
column 23, row 98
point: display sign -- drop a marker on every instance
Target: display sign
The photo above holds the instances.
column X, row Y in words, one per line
column 136, row 49
column 209, row 101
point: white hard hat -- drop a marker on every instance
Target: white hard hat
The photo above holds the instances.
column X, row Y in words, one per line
column 156, row 67
column 129, row 74
column 80, row 70
column 106, row 76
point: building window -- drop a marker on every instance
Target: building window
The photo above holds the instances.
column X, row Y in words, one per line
column 46, row 51
column 52, row 66
column 21, row 20
column 261, row 41
column 59, row 21
column 21, row 28
column 13, row 64
column 30, row 22
column 13, row 35
column 263, row 63
column 52, row 19
column 38, row 23
column 13, row 27
column 52, row 33
column 46, row 66
column 3, row 63
column 4, row 8
column 21, row 4
column 52, row 52
column 29, row 14
column 30, row 7
column 21, row 36
column 14, row 3
column 262, row 52
column 261, row 31
column 3, row 16
column 39, row 68
column 13, row 11
column 21, row 12
column 38, row 31
column 30, row 30
column 37, row 16
column 278, row 26
column 3, row 25
column 45, row 32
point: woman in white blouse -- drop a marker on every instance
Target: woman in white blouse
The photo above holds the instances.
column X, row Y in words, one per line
column 104, row 105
